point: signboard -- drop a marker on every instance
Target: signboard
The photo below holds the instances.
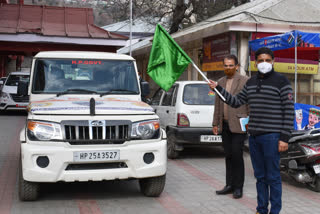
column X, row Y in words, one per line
column 306, row 116
column 216, row 48
column 287, row 66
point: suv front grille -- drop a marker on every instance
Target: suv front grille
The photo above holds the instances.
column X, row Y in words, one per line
column 96, row 131
column 19, row 99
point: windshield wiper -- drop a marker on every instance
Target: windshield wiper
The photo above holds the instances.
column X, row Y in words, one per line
column 71, row 90
column 115, row 90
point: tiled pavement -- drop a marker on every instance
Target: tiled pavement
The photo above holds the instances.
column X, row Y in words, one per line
column 191, row 184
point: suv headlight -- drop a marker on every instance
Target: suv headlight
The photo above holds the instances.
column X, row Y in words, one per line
column 4, row 95
column 146, row 129
column 38, row 130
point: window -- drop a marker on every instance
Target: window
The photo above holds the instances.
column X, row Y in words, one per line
column 100, row 76
column 175, row 94
column 167, row 100
column 198, row 94
column 13, row 80
column 156, row 97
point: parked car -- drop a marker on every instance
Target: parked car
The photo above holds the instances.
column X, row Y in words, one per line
column 2, row 80
column 9, row 99
column 186, row 113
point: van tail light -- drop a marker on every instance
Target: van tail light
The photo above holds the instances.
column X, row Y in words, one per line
column 182, row 120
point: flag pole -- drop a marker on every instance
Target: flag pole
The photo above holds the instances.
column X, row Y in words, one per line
column 204, row 76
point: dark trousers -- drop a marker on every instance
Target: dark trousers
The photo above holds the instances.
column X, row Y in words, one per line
column 265, row 158
column 233, row 149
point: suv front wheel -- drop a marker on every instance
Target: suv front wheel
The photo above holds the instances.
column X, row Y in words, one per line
column 28, row 191
column 152, row 187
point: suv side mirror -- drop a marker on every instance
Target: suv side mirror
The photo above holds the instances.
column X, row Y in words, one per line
column 145, row 90
column 23, row 88
column 1, row 82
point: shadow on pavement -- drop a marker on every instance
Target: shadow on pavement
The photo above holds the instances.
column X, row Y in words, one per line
column 90, row 190
column 13, row 113
column 202, row 152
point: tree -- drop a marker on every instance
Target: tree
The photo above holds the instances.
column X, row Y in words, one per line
column 174, row 14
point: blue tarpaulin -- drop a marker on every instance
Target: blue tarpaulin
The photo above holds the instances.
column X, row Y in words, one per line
column 286, row 41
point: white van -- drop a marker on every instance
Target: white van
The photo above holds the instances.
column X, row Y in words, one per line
column 9, row 99
column 89, row 129
column 186, row 113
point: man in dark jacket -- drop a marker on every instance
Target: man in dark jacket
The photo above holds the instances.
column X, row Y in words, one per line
column 227, row 121
column 271, row 117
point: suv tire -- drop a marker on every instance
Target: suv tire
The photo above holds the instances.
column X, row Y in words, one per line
column 171, row 152
column 28, row 191
column 152, row 187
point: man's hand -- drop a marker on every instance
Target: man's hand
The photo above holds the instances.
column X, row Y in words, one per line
column 215, row 130
column 212, row 84
column 283, row 146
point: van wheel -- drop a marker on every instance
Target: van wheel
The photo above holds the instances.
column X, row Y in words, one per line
column 28, row 191
column 171, row 152
column 152, row 187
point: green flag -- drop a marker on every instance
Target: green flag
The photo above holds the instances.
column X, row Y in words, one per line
column 167, row 60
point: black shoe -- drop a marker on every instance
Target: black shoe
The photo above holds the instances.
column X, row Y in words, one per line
column 237, row 193
column 225, row 190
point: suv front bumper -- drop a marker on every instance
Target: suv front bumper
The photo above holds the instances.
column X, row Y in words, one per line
column 60, row 156
column 9, row 104
column 188, row 136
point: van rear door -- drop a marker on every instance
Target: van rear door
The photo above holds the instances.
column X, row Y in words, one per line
column 198, row 103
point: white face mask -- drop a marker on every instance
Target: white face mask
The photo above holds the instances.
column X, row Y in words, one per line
column 264, row 67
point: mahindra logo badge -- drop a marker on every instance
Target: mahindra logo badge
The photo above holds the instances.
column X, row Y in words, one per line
column 97, row 123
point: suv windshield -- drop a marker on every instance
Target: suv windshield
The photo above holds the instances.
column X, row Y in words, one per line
column 13, row 80
column 63, row 76
column 198, row 94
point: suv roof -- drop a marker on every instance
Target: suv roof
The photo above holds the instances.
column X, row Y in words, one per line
column 82, row 55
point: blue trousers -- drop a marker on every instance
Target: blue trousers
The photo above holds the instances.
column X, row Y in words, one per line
column 265, row 158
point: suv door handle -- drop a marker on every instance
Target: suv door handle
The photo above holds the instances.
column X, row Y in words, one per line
column 167, row 111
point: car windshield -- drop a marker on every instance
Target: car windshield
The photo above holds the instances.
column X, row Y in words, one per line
column 62, row 76
column 198, row 94
column 13, row 80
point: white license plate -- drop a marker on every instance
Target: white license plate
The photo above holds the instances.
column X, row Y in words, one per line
column 211, row 138
column 316, row 168
column 88, row 156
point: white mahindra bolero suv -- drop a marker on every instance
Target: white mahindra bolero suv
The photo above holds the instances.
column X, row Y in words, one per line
column 89, row 129
column 186, row 113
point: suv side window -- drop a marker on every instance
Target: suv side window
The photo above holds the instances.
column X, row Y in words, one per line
column 167, row 100
column 156, row 97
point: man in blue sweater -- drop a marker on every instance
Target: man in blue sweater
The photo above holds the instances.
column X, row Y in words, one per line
column 271, row 117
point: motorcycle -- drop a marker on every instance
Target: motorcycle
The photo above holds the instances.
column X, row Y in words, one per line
column 302, row 159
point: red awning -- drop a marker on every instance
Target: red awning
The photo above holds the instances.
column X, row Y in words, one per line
column 51, row 21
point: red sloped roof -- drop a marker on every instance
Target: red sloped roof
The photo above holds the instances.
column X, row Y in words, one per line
column 51, row 21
